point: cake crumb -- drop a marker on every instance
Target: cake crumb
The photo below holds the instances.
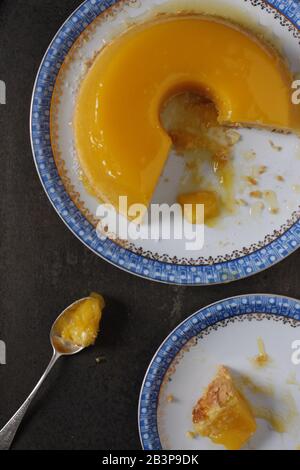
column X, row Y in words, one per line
column 256, row 194
column 262, row 169
column 280, row 178
column 278, row 148
column 241, row 202
column 258, row 170
column 233, row 136
column 100, row 359
column 251, row 180
column 190, row 434
column 170, row 398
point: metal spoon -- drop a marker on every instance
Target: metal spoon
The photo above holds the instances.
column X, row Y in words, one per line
column 60, row 348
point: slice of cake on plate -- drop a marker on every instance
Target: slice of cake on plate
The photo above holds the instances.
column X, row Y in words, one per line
column 223, row 414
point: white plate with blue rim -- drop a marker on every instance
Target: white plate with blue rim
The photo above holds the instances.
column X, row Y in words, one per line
column 238, row 247
column 227, row 333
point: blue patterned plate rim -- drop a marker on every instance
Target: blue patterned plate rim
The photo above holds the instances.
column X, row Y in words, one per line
column 199, row 321
column 154, row 270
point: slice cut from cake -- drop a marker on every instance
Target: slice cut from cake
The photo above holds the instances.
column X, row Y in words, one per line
column 223, row 413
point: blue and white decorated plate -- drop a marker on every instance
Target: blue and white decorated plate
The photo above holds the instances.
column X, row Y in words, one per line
column 240, row 245
column 227, row 333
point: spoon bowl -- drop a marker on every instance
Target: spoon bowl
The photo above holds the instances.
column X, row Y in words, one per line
column 60, row 346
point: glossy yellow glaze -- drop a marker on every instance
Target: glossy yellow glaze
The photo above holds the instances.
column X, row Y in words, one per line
column 121, row 144
column 80, row 325
column 234, row 426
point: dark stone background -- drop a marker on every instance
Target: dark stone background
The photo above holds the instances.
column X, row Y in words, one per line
column 43, row 267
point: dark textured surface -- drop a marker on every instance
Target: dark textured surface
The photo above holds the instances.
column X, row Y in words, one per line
column 84, row 405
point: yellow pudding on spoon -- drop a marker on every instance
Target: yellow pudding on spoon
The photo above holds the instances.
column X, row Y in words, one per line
column 80, row 325
column 121, row 145
column 75, row 329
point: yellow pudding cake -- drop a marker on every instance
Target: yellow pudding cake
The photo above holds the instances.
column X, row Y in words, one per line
column 223, row 414
column 121, row 144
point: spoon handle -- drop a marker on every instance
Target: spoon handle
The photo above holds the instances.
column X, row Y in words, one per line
column 8, row 433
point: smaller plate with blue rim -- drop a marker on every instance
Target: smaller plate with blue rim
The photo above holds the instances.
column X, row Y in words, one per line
column 227, row 333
